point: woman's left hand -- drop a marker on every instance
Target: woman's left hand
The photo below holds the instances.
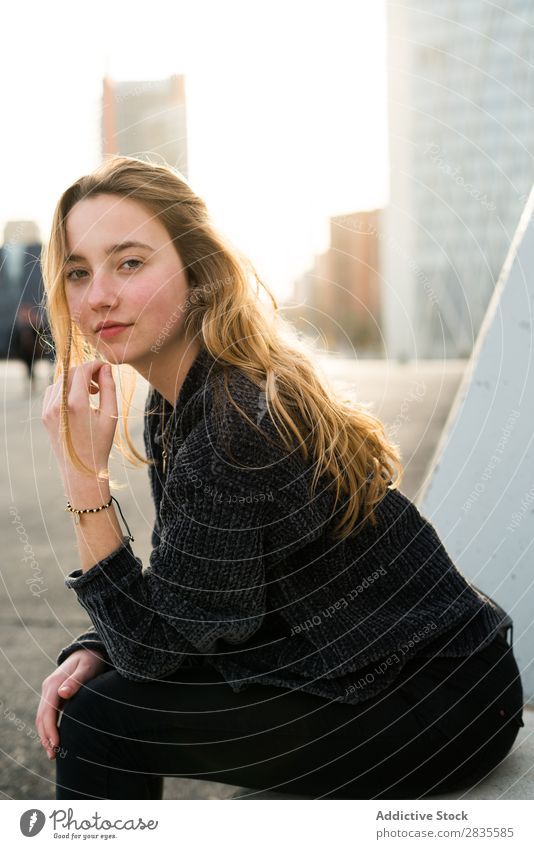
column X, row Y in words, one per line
column 92, row 428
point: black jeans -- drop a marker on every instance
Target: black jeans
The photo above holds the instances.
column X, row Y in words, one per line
column 444, row 724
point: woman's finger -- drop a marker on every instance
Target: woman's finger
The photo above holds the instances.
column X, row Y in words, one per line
column 51, row 723
column 47, row 725
column 39, row 728
column 108, row 393
column 81, row 381
column 69, row 686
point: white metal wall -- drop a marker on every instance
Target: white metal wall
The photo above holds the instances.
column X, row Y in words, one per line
column 479, row 493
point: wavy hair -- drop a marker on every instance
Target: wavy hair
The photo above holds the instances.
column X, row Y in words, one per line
column 338, row 436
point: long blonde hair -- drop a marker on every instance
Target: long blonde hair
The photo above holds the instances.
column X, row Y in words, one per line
column 225, row 311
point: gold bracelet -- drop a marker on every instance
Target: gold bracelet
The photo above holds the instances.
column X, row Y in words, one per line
column 72, row 509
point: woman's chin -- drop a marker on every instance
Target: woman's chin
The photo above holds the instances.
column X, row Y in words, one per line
column 114, row 354
column 114, row 358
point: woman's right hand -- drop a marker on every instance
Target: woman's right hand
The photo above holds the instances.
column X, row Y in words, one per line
column 60, row 685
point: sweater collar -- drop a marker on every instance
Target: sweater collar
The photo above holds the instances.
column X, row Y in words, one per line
column 196, row 380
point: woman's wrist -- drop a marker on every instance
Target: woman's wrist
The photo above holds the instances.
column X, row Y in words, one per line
column 88, row 492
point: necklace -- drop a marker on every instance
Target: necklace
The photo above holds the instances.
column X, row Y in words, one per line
column 164, row 451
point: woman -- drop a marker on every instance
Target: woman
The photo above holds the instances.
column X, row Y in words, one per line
column 300, row 627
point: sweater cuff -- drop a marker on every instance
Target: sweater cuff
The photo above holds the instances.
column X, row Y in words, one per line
column 118, row 567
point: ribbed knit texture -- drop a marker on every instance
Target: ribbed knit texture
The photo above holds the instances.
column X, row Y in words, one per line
column 245, row 576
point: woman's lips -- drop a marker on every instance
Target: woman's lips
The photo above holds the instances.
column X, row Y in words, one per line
column 113, row 330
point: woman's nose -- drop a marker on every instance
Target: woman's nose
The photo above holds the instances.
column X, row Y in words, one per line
column 102, row 291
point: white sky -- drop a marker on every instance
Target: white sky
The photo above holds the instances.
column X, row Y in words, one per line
column 286, row 109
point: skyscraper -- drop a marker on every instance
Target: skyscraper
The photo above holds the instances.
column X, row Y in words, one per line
column 461, row 136
column 146, row 118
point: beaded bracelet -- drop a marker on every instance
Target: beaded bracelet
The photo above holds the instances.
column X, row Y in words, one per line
column 72, row 509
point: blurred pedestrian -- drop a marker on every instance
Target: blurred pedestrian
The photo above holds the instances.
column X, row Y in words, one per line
column 29, row 340
column 25, row 339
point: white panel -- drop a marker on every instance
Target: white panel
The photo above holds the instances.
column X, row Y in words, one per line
column 480, row 489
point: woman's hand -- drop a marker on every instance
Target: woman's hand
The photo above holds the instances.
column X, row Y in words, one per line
column 92, row 428
column 79, row 667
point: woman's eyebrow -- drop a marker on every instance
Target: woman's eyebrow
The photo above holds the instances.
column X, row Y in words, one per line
column 112, row 249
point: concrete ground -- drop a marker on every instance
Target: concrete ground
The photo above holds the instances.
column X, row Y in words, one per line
column 39, row 615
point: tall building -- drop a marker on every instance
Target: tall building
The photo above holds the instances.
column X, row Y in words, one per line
column 146, row 118
column 342, row 291
column 461, row 136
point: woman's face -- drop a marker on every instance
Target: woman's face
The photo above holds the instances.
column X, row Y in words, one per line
column 143, row 286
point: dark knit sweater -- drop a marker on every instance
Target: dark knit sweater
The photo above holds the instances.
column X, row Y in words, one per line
column 244, row 574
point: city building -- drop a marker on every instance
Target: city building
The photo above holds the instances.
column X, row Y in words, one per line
column 461, row 136
column 146, row 119
column 340, row 295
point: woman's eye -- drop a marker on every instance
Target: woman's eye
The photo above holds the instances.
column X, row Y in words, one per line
column 75, row 271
